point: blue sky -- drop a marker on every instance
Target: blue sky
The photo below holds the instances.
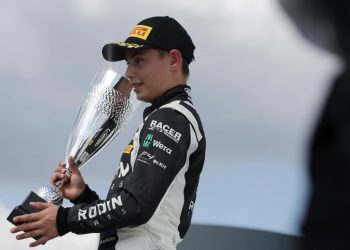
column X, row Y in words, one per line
column 256, row 83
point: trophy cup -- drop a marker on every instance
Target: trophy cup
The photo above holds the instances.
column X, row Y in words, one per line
column 108, row 106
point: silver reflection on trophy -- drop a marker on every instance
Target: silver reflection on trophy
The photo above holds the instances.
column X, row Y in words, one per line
column 50, row 193
column 108, row 106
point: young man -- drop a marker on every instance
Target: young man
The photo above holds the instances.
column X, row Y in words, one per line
column 151, row 199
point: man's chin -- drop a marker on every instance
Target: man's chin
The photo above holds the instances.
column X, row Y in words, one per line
column 141, row 98
column 144, row 99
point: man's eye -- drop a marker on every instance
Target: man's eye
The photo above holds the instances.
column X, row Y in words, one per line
column 138, row 60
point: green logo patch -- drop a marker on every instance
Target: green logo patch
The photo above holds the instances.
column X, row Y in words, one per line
column 147, row 140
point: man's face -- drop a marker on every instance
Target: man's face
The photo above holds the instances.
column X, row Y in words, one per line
column 149, row 73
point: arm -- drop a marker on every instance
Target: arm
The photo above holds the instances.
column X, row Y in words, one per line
column 164, row 141
column 138, row 189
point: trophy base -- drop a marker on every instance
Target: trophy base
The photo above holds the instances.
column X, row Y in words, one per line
column 25, row 208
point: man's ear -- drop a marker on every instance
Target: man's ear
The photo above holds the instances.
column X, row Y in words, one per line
column 175, row 59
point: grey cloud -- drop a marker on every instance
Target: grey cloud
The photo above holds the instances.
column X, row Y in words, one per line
column 257, row 85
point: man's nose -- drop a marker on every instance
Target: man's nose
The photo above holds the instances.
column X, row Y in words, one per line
column 129, row 72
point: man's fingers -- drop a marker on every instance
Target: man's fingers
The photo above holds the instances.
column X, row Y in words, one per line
column 72, row 163
column 40, row 241
column 59, row 173
column 39, row 205
column 26, row 218
column 57, row 177
column 73, row 166
column 29, row 234
column 61, row 169
column 29, row 217
column 24, row 227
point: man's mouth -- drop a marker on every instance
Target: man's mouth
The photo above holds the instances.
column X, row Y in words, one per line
column 136, row 84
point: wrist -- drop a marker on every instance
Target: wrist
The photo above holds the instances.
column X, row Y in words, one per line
column 86, row 196
column 79, row 192
column 62, row 221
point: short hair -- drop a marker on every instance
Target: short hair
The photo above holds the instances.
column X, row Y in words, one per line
column 185, row 65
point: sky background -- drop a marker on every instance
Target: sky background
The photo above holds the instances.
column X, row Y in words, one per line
column 257, row 84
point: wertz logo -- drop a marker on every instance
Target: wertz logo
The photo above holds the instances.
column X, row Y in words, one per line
column 128, row 149
column 161, row 146
column 147, row 140
column 140, row 31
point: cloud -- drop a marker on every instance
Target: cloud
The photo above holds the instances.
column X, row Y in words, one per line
column 69, row 241
column 257, row 85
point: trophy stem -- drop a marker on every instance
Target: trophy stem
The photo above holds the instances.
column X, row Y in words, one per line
column 66, row 177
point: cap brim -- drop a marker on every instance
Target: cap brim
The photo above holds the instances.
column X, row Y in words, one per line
column 113, row 52
column 116, row 51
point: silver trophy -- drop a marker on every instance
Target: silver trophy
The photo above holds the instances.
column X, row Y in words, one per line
column 109, row 104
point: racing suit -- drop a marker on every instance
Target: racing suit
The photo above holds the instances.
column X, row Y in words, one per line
column 151, row 199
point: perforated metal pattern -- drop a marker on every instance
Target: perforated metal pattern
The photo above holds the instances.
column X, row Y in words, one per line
column 50, row 193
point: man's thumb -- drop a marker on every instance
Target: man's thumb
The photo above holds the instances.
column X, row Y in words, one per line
column 39, row 205
column 72, row 164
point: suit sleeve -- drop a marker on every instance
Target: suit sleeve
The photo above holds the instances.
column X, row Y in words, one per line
column 164, row 141
column 86, row 196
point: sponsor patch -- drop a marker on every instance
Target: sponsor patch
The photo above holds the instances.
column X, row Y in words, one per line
column 147, row 141
column 161, row 146
column 99, row 209
column 123, row 170
column 140, row 31
column 145, row 157
column 128, row 149
column 165, row 129
column 148, row 158
column 160, row 164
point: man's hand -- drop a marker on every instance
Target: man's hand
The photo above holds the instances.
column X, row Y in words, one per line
column 74, row 185
column 41, row 224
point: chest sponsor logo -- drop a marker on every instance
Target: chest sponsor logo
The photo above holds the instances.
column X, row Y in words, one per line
column 145, row 157
column 128, row 149
column 123, row 169
column 159, row 163
column 147, row 140
column 148, row 158
column 161, row 146
column 166, row 129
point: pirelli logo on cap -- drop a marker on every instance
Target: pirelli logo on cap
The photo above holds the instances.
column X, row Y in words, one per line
column 140, row 31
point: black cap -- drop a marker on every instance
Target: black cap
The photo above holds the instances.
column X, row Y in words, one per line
column 155, row 32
